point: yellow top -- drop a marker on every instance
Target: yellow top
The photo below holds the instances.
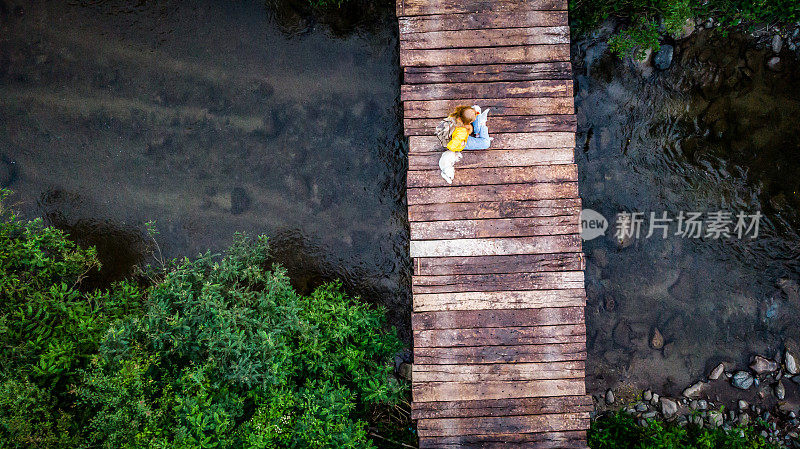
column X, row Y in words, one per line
column 459, row 139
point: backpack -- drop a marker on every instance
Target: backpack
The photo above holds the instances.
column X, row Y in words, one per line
column 444, row 130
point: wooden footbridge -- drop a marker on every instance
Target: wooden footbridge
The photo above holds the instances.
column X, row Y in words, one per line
column 498, row 292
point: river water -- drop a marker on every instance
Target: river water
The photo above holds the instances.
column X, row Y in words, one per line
column 239, row 116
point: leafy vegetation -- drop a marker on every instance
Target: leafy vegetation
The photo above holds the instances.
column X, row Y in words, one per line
column 621, row 431
column 648, row 20
column 219, row 352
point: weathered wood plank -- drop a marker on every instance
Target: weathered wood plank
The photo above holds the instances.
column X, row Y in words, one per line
column 573, row 439
column 572, row 369
column 489, row 300
column 495, row 175
column 547, row 280
column 501, row 124
column 424, row 7
column 499, row 336
column 506, row 208
column 496, row 158
column 502, row 407
column 514, row 107
column 501, row 227
column 495, row 246
column 481, row 21
column 502, row 141
column 491, row 37
column 468, row 319
column 479, row 91
column 436, row 266
column 501, row 354
column 506, row 424
column 467, row 391
column 488, row 72
column 498, row 55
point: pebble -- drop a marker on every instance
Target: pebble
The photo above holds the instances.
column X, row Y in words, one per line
column 702, row 404
column 609, row 397
column 650, row 415
column 743, row 404
column 742, row 380
column 744, row 419
column 763, row 365
column 662, row 59
column 647, row 395
column 774, row 64
column 777, row 43
column 790, row 362
column 657, row 341
column 695, row 390
column 715, row 418
column 641, row 407
column 668, row 407
column 716, row 372
column 780, row 391
column 654, row 401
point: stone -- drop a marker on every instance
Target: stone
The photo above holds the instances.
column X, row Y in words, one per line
column 697, row 420
column 716, row 372
column 668, row 407
column 609, row 397
column 702, row 404
column 641, row 407
column 662, row 59
column 774, row 64
column 790, row 363
column 686, row 30
column 655, row 399
column 790, row 288
column 647, row 395
column 777, row 43
column 650, row 415
column 742, row 380
column 763, row 365
column 694, row 391
column 715, row 418
column 657, row 340
column 744, row 419
column 780, row 391
column 743, row 404
column 404, row 371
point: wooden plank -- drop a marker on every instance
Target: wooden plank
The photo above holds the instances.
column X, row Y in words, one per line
column 573, row 439
column 496, row 158
column 572, row 369
column 433, row 266
column 476, row 56
column 425, row 7
column 501, row 354
column 501, row 124
column 547, row 280
column 468, row 319
column 501, row 407
column 500, row 227
column 469, row 391
column 480, row 91
column 502, row 141
column 510, row 192
column 560, row 70
column 506, row 424
column 499, row 336
column 481, row 21
column 495, row 175
column 496, row 246
column 489, row 300
column 506, row 208
column 491, row 37
column 514, row 107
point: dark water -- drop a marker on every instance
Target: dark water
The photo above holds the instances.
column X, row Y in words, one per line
column 717, row 131
column 211, row 117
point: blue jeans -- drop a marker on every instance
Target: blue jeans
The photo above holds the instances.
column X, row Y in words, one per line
column 481, row 140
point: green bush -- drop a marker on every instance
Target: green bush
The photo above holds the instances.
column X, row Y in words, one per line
column 621, row 431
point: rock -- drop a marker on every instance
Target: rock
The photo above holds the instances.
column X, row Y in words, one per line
column 716, row 372
column 693, row 405
column 641, row 407
column 655, row 399
column 668, row 407
column 790, row 363
column 686, row 31
column 790, row 289
column 647, row 395
column 742, row 380
column 404, row 371
column 702, row 404
column 774, row 64
column 743, row 404
column 744, row 419
column 780, row 391
column 697, row 420
column 662, row 59
column 777, row 44
column 650, row 415
column 694, row 391
column 657, row 340
column 622, row 335
column 763, row 365
column 240, row 201
column 715, row 418
column 609, row 397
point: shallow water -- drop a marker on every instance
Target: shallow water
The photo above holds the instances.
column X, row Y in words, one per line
column 209, row 118
column 717, row 131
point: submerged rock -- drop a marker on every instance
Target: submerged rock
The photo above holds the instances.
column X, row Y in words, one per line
column 763, row 365
column 657, row 341
column 742, row 380
column 775, row 64
column 662, row 59
column 716, row 372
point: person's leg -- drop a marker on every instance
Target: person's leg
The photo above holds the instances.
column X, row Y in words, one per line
column 481, row 140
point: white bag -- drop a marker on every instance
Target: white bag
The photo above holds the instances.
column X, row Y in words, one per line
column 447, row 164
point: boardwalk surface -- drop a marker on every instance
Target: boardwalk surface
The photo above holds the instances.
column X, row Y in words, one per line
column 498, row 319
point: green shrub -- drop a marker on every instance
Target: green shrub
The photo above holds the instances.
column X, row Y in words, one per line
column 621, row 431
column 227, row 354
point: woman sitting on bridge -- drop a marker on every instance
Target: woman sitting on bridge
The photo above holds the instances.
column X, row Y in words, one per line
column 469, row 133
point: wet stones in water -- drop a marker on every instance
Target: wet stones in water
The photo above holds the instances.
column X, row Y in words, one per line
column 240, row 201
column 657, row 340
column 623, row 335
column 762, row 365
column 662, row 60
column 716, row 372
column 775, row 64
column 780, row 391
column 790, row 363
column 742, row 380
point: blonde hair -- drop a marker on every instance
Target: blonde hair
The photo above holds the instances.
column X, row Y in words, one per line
column 458, row 113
